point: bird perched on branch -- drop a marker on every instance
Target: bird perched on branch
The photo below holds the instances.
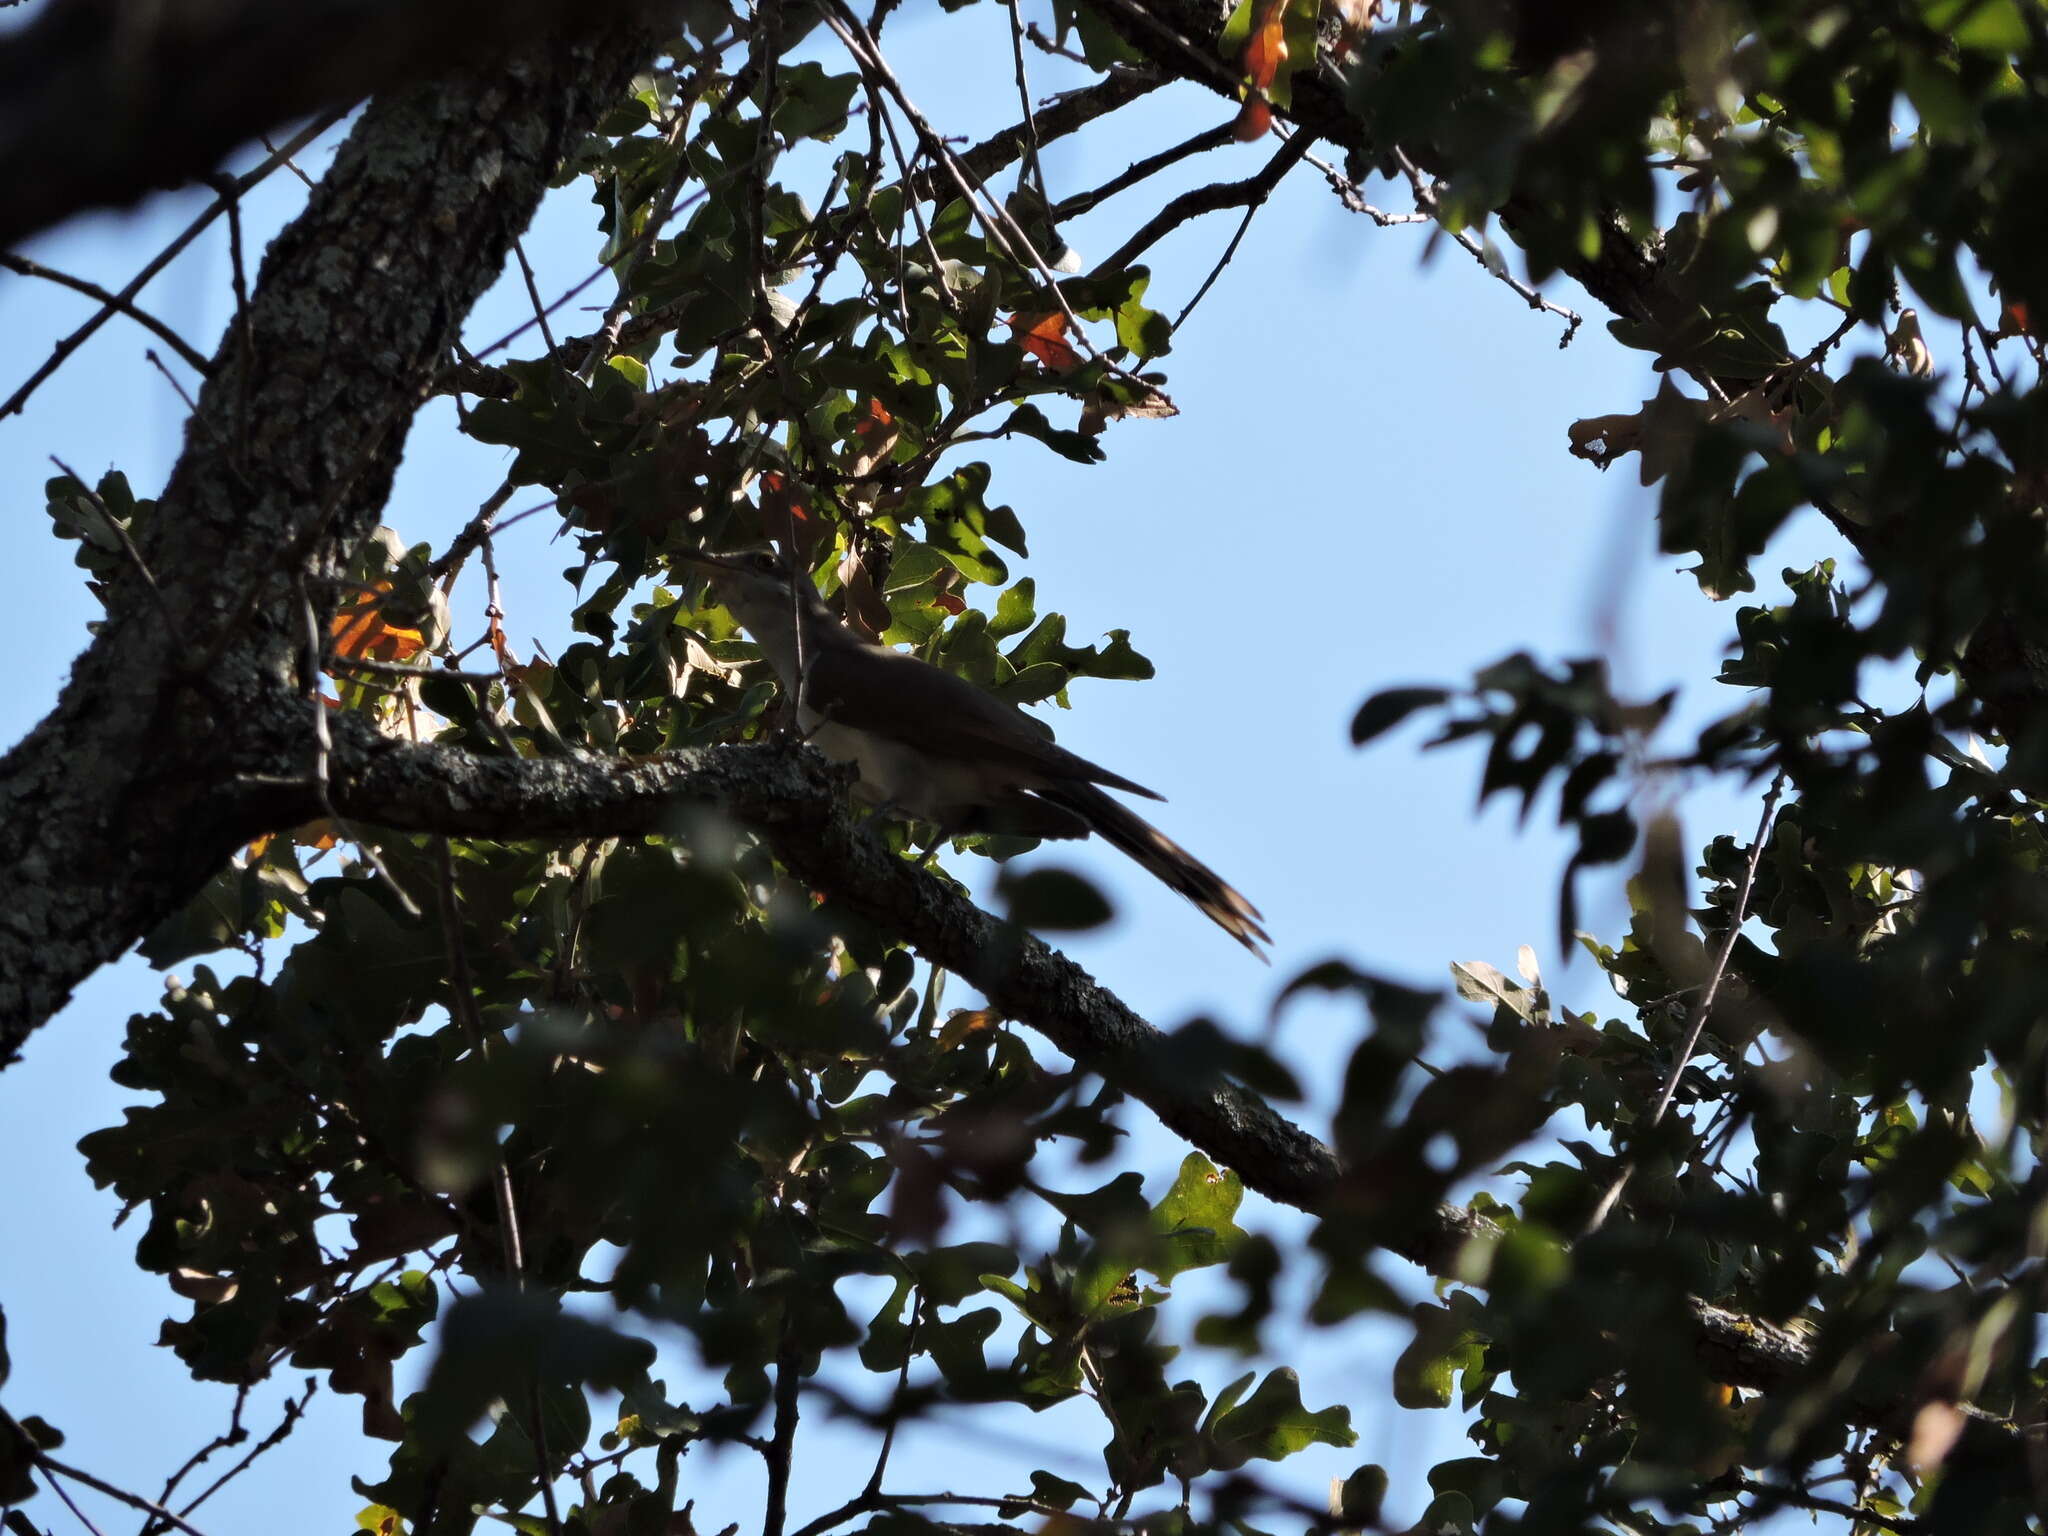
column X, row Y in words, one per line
column 934, row 747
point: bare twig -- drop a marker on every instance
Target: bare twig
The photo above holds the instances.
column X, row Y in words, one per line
column 895, row 1410
column 192, row 356
column 51, row 1465
column 294, row 1410
column 57, row 1487
column 1276, row 168
column 1140, row 170
column 289, row 163
column 1427, row 200
column 150, row 356
column 1032, row 172
column 867, row 1502
column 788, row 1363
column 1705, row 1010
column 245, row 337
column 1054, row 119
column 540, row 315
column 473, row 533
column 163, row 258
column 1249, row 193
column 1352, row 196
column 234, row 1434
column 1815, row 1503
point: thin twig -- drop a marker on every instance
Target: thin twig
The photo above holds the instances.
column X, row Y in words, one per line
column 895, row 1410
column 51, row 1464
column 149, row 356
column 294, row 1410
column 58, row 1488
column 878, row 110
column 474, row 532
column 1352, row 196
column 788, row 1360
column 1249, row 193
column 540, row 315
column 1705, row 1011
column 1032, row 171
column 1140, row 170
column 193, row 357
column 245, row 338
column 865, row 1503
column 1054, row 118
column 1290, row 154
column 1815, row 1503
column 1427, row 200
column 494, row 607
column 289, row 163
column 234, row 1434
column 1099, row 1390
column 163, row 258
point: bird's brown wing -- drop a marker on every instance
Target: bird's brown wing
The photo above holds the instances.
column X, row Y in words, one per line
column 901, row 697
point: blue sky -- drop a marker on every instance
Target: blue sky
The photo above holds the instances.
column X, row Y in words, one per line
column 1368, row 485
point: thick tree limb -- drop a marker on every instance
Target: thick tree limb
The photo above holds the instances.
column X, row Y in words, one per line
column 156, row 765
column 794, row 799
column 175, row 85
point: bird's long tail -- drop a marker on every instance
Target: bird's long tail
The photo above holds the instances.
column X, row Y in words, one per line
column 1166, row 859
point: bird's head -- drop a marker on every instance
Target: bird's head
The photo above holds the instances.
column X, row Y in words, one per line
column 754, row 587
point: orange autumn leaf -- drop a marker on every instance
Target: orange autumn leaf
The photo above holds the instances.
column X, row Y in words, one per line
column 318, row 835
column 1266, row 50
column 875, row 435
column 361, row 632
column 965, row 1023
column 775, row 489
column 874, row 421
column 1254, row 119
column 1045, row 338
column 2018, row 310
column 950, row 603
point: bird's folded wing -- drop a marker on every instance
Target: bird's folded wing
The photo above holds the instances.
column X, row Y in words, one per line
column 875, row 689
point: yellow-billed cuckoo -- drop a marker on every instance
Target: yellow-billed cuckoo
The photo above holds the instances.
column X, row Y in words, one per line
column 934, row 747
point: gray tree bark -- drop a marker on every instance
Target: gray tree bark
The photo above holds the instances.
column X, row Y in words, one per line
column 184, row 730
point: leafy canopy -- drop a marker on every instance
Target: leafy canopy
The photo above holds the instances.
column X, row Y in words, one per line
column 1762, row 1231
